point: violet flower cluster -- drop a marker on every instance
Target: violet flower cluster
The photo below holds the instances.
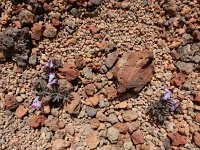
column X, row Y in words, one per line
column 51, row 81
column 173, row 104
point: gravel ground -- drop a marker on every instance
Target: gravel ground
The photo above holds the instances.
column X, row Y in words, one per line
column 100, row 116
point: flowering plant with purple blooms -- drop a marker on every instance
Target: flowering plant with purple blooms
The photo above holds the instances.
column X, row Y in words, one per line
column 160, row 110
column 48, row 88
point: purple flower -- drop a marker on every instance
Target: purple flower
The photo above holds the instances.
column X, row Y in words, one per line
column 49, row 64
column 174, row 105
column 52, row 79
column 168, row 94
column 36, row 103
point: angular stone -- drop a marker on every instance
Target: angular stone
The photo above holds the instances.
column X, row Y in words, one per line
column 36, row 121
column 60, row 144
column 2, row 57
column 196, row 35
column 37, row 31
column 26, row 17
column 90, row 89
column 111, row 59
column 132, row 126
column 113, row 134
column 94, row 29
column 110, row 92
column 179, row 79
column 197, row 117
column 134, row 70
column 122, row 127
column 197, row 97
column 95, row 123
column 137, row 137
column 130, row 115
column 10, row 102
column 92, row 140
column 185, row 67
column 50, row 31
column 69, row 71
column 197, row 138
column 177, row 139
column 73, row 106
column 16, row 45
column 91, row 112
column 92, row 101
column 170, row 7
column 20, row 111
column 52, row 123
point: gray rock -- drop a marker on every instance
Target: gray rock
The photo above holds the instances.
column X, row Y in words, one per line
column 128, row 146
column 55, row 112
column 87, row 73
column 113, row 134
column 185, row 67
column 19, row 99
column 16, row 45
column 187, row 38
column 95, row 2
column 52, row 123
column 91, row 112
column 71, row 26
column 33, row 60
column 75, row 12
column 190, row 52
column 112, row 118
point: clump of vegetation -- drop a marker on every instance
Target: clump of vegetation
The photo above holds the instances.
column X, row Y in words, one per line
column 47, row 89
column 160, row 110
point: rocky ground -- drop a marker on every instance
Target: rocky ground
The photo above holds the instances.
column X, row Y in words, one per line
column 116, row 56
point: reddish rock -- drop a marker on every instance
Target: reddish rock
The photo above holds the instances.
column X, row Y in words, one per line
column 56, row 22
column 17, row 24
column 111, row 59
column 134, row 70
column 177, row 139
column 94, row 29
column 60, row 144
column 197, row 138
column 20, row 111
column 47, row 7
column 37, row 31
column 50, row 31
column 69, row 71
column 144, row 147
column 179, row 79
column 122, row 127
column 70, row 129
column 124, row 138
column 197, row 117
column 132, row 126
column 92, row 140
column 79, row 61
column 61, row 124
column 95, row 123
column 92, row 101
column 101, row 45
column 196, row 35
column 175, row 55
column 137, row 137
column 110, row 92
column 10, row 102
column 197, row 97
column 73, row 106
column 90, row 89
column 2, row 57
column 36, row 121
